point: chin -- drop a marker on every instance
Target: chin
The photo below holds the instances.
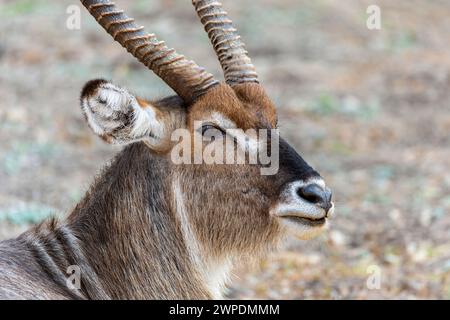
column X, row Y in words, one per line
column 302, row 230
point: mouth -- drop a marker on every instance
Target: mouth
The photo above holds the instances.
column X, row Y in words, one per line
column 303, row 222
column 306, row 221
column 302, row 227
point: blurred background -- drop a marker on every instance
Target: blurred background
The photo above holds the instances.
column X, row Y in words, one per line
column 369, row 109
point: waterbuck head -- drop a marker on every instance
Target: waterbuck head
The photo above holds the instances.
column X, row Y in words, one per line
column 226, row 204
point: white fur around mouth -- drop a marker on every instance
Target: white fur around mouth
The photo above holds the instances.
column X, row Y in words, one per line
column 295, row 208
column 314, row 216
column 299, row 209
column 305, row 216
column 304, row 224
column 302, row 219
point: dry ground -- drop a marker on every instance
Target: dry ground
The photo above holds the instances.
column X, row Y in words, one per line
column 369, row 109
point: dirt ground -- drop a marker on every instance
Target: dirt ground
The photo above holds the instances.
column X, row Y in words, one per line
column 369, row 109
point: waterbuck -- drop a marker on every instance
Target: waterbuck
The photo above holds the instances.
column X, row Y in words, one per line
column 150, row 228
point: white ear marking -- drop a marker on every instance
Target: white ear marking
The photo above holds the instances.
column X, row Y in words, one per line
column 90, row 118
column 116, row 115
column 114, row 97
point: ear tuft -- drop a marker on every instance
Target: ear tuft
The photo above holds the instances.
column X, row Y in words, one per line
column 90, row 88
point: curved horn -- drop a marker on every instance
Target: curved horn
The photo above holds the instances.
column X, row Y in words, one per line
column 185, row 77
column 236, row 64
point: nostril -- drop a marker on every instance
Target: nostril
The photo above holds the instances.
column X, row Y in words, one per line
column 313, row 193
column 309, row 196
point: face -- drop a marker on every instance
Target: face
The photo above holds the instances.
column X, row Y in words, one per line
column 231, row 206
column 235, row 206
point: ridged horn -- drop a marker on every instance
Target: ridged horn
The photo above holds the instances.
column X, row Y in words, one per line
column 185, row 77
column 233, row 57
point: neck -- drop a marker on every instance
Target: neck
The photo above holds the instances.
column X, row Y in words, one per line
column 212, row 270
column 137, row 243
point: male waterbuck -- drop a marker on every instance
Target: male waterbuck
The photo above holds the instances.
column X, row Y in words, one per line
column 154, row 228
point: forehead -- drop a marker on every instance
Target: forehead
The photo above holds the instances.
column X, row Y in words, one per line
column 247, row 105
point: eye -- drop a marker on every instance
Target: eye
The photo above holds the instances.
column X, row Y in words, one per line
column 212, row 130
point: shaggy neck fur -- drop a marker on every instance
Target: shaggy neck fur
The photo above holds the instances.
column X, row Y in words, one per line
column 214, row 272
column 138, row 242
column 131, row 236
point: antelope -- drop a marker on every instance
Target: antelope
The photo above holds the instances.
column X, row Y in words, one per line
column 152, row 229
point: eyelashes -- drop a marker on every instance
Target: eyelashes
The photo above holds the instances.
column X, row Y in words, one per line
column 210, row 129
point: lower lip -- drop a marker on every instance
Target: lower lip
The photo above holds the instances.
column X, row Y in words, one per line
column 305, row 221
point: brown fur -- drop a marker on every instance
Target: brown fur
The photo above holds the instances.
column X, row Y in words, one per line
column 129, row 243
column 127, row 235
column 246, row 104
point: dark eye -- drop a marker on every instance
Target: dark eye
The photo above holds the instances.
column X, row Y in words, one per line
column 211, row 130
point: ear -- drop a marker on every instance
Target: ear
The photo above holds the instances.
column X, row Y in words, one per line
column 119, row 117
